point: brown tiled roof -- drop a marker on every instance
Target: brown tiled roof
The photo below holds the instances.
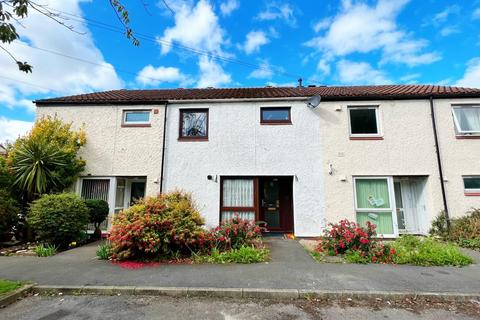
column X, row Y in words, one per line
column 327, row 93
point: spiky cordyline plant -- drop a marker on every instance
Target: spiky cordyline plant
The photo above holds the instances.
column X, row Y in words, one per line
column 34, row 167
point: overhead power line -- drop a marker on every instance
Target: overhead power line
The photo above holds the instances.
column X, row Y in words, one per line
column 215, row 56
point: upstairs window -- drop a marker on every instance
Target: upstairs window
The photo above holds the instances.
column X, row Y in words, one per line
column 471, row 185
column 275, row 115
column 193, row 124
column 467, row 120
column 364, row 121
column 136, row 118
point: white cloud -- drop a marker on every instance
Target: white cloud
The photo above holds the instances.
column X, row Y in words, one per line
column 446, row 31
column 278, row 11
column 410, row 78
column 10, row 129
column 197, row 26
column 471, row 77
column 476, row 14
column 151, row 76
column 211, row 74
column 322, row 24
column 360, row 28
column 228, row 7
column 284, row 84
column 264, row 71
column 350, row 72
column 324, row 67
column 254, row 40
column 443, row 15
column 53, row 74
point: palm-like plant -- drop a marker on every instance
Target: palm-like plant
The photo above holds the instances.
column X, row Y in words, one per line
column 34, row 167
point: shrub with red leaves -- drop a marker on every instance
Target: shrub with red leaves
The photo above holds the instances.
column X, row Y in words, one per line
column 346, row 237
column 158, row 227
column 234, row 233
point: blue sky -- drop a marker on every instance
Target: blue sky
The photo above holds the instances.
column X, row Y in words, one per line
column 235, row 43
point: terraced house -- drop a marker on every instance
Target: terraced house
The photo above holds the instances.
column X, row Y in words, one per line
column 296, row 157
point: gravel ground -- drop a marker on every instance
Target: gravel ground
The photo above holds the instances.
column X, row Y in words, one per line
column 123, row 307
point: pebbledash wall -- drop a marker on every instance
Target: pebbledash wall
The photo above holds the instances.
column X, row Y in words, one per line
column 407, row 149
column 316, row 143
column 238, row 145
column 113, row 150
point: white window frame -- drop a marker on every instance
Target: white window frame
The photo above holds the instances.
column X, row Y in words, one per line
column 392, row 208
column 124, row 117
column 377, row 118
column 470, row 191
column 458, row 129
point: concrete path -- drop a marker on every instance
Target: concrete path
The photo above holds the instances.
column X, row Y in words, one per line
column 291, row 267
column 145, row 308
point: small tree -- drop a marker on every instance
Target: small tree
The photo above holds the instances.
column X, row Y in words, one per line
column 46, row 159
column 59, row 219
column 98, row 211
column 6, row 175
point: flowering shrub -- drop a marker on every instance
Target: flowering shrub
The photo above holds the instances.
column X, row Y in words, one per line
column 235, row 233
column 357, row 243
column 162, row 226
column 346, row 235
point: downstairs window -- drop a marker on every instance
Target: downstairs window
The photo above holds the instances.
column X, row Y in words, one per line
column 373, row 203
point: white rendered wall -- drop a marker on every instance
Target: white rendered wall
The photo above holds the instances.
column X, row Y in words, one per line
column 113, row 150
column 239, row 145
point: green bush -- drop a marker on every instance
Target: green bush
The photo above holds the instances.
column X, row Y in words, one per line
column 353, row 256
column 9, row 211
column 244, row 254
column 465, row 231
column 45, row 250
column 98, row 212
column 428, row 252
column 58, row 219
column 104, row 251
column 158, row 227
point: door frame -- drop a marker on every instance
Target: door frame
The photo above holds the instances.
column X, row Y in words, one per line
column 256, row 198
column 406, row 183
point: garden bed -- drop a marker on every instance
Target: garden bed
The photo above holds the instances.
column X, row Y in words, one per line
column 347, row 242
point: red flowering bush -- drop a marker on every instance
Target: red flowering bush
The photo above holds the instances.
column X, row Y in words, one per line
column 161, row 226
column 357, row 242
column 346, row 235
column 235, row 233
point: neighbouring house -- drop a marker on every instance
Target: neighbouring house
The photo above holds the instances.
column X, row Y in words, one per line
column 395, row 155
column 3, row 151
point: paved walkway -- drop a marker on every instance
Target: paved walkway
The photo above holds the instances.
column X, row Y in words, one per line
column 290, row 268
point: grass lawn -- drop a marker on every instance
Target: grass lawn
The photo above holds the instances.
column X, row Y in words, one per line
column 7, row 286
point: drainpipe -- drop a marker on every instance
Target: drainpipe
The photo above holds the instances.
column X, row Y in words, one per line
column 439, row 163
column 163, row 145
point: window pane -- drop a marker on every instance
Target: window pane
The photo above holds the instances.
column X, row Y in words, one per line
column 194, row 124
column 372, row 193
column 137, row 116
column 119, row 196
column 363, row 121
column 238, row 193
column 95, row 189
column 471, row 183
column 276, row 114
column 227, row 215
column 468, row 119
column 383, row 221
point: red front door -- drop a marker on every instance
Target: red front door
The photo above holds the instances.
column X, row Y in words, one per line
column 276, row 207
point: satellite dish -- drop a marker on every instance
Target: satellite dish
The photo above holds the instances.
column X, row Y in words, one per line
column 313, row 102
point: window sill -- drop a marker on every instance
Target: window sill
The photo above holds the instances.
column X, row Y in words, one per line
column 279, row 123
column 143, row 125
column 366, row 138
column 472, row 194
column 460, row 137
column 192, row 139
